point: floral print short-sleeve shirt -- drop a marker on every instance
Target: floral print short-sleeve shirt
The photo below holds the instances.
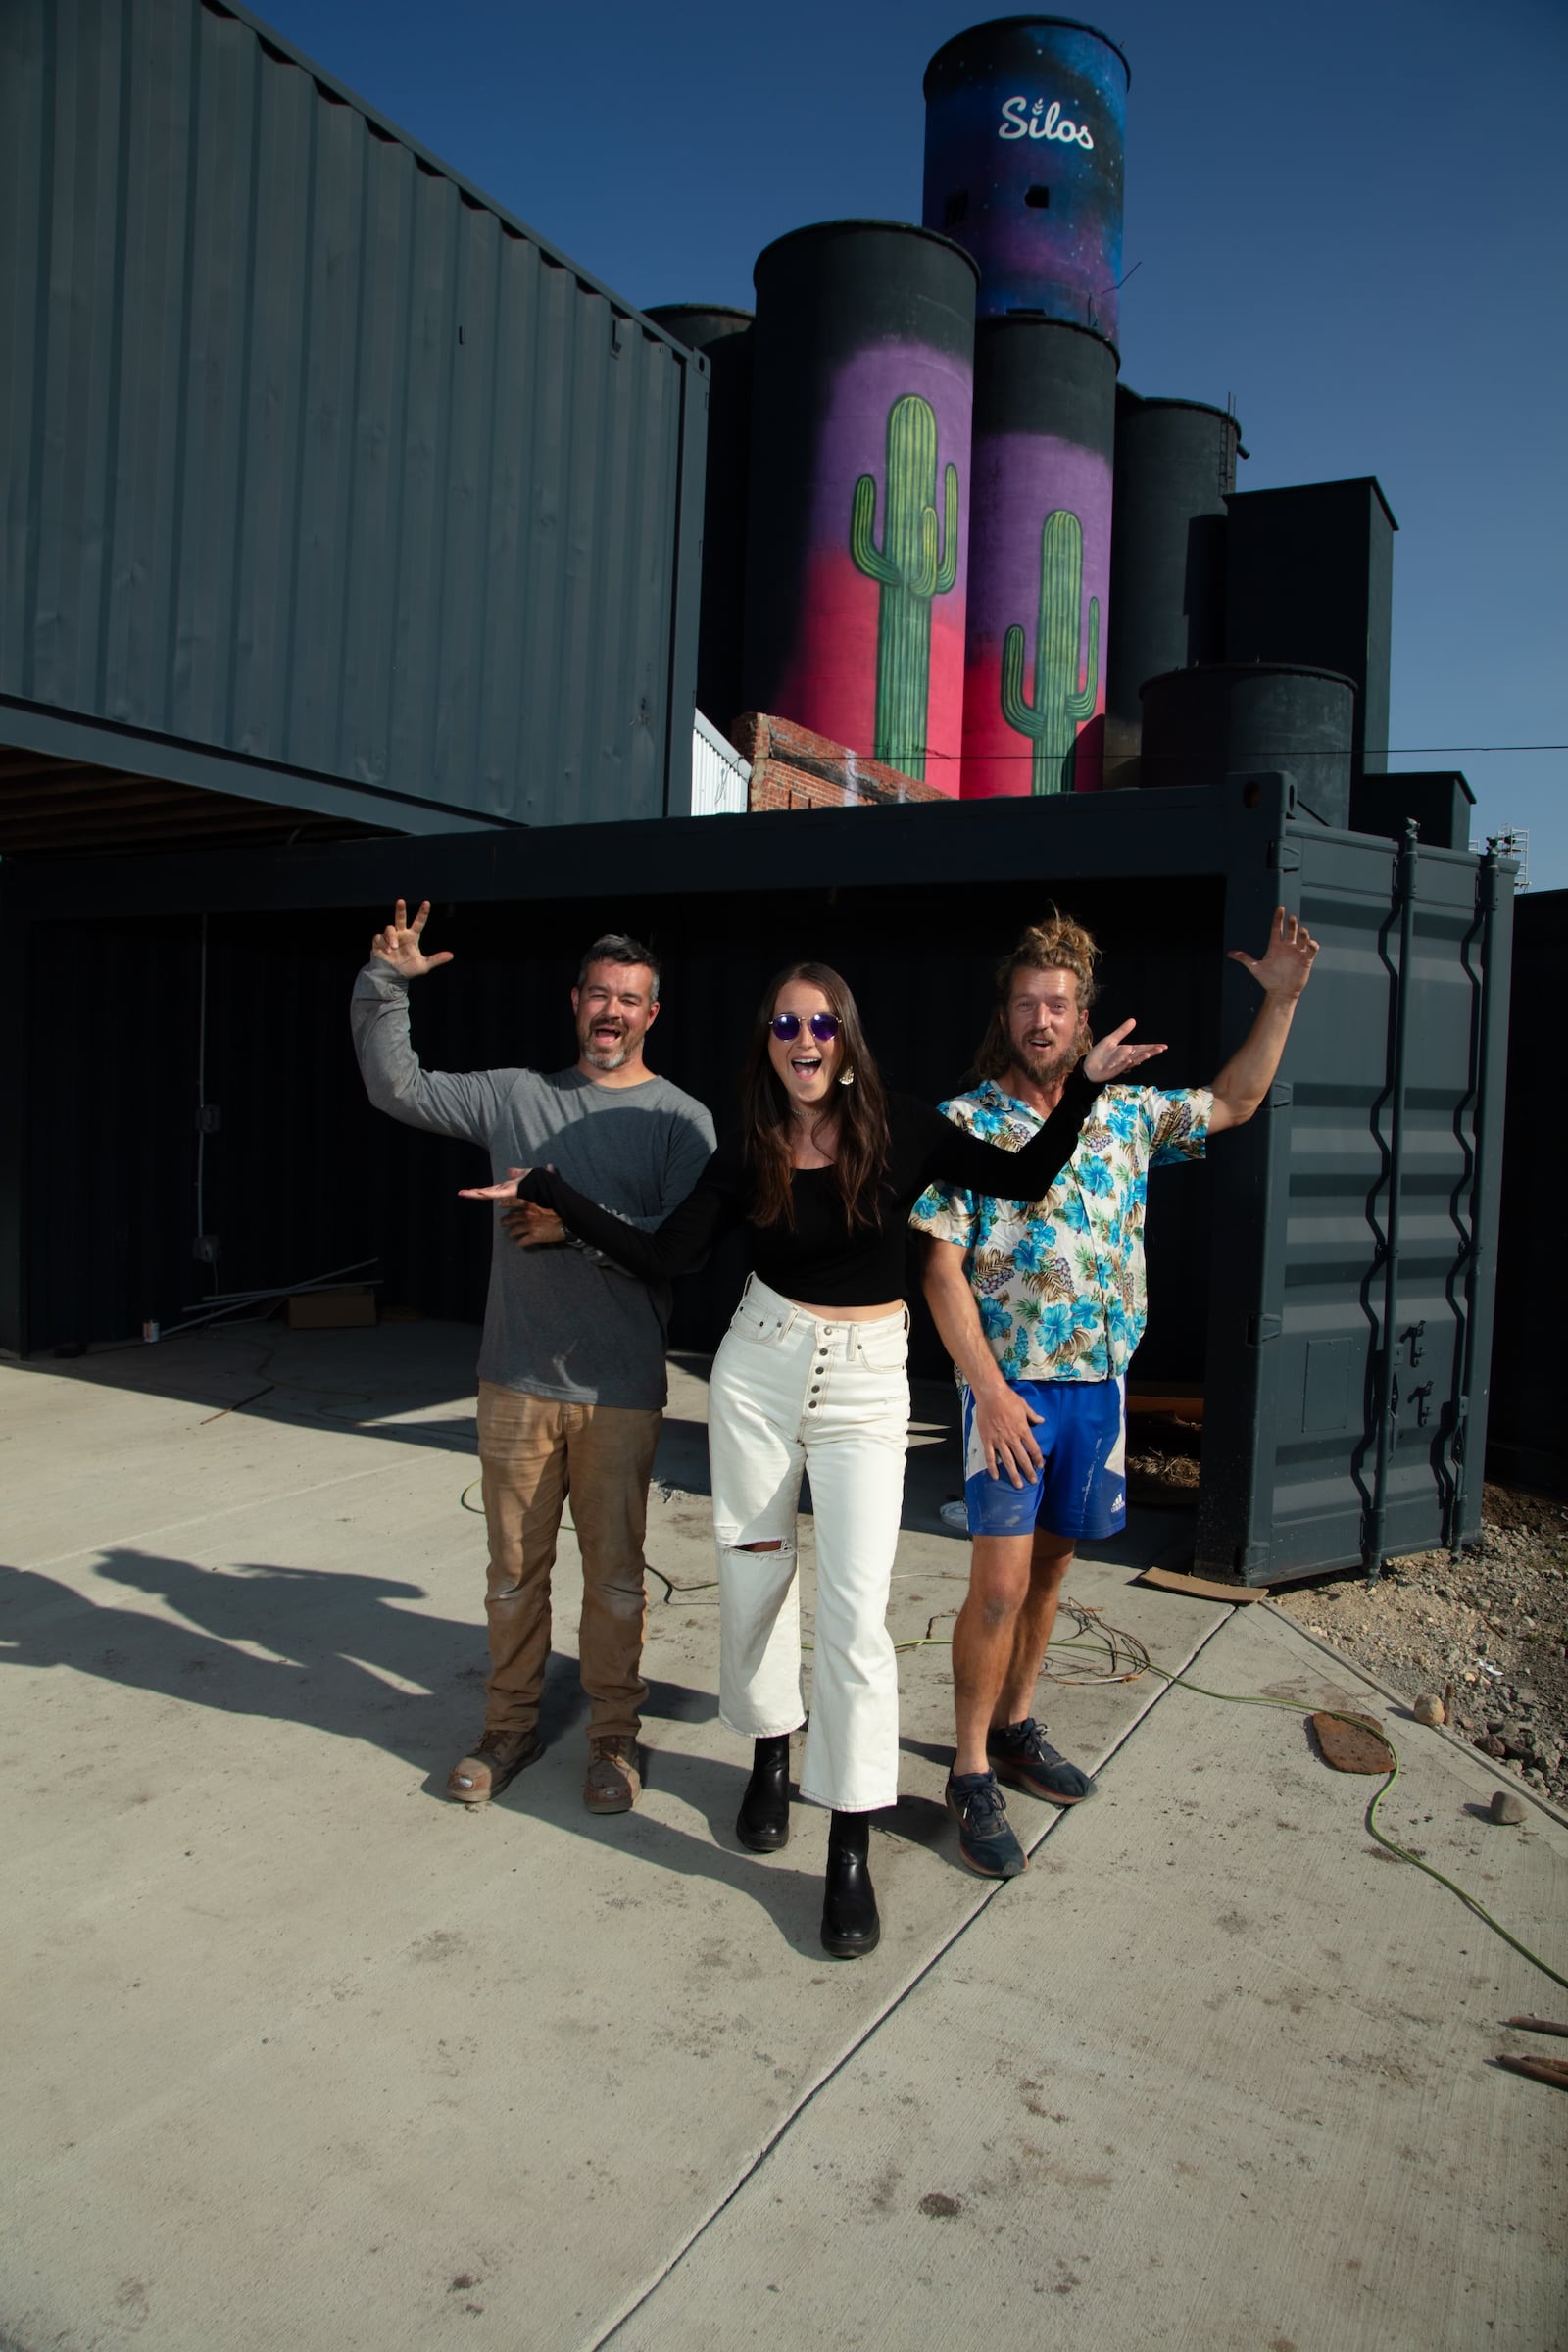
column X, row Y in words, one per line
column 1059, row 1282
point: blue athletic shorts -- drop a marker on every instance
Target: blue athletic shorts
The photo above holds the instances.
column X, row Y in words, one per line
column 1082, row 1490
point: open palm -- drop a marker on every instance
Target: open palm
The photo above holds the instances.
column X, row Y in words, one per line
column 1286, row 963
column 1113, row 1058
column 399, row 943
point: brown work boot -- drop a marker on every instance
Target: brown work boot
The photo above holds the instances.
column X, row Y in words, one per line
column 615, row 1781
column 497, row 1758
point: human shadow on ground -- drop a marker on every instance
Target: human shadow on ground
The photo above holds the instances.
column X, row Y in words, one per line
column 336, row 1639
column 359, row 1385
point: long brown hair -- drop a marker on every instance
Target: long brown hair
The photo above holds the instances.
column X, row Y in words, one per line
column 860, row 1109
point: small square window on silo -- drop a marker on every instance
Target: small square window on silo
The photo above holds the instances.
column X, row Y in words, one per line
column 1037, row 198
column 954, row 209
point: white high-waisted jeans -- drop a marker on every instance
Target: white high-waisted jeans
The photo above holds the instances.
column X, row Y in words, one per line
column 792, row 1392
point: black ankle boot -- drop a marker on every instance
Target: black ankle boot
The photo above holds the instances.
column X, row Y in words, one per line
column 763, row 1819
column 850, row 1926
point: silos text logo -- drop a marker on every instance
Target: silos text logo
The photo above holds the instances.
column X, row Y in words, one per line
column 1020, row 121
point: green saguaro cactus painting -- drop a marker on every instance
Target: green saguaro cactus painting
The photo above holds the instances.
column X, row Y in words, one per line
column 910, row 571
column 1061, row 705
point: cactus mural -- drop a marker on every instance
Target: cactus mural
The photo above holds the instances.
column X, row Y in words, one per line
column 1061, row 705
column 911, row 567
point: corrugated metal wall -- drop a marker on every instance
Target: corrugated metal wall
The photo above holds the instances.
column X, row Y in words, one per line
column 720, row 777
column 1355, row 1292
column 1529, row 1425
column 311, row 454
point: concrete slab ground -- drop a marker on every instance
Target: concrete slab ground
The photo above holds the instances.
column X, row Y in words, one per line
column 303, row 2056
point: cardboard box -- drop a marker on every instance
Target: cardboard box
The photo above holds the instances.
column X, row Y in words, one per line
column 332, row 1311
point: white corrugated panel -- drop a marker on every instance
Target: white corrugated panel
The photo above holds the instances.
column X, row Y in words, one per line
column 720, row 777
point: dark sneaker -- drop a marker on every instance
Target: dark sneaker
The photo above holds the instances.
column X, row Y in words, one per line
column 497, row 1758
column 985, row 1840
column 1023, row 1758
column 615, row 1781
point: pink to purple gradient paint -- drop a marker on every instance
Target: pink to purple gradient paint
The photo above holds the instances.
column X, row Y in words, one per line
column 829, row 680
column 1019, row 478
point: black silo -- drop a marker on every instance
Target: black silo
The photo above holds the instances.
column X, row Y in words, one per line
column 1201, row 725
column 1175, row 470
column 1309, row 579
column 724, row 337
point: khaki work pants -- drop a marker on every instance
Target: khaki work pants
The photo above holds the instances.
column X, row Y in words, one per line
column 533, row 1451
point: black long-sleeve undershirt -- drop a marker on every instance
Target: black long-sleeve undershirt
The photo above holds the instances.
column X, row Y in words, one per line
column 818, row 1258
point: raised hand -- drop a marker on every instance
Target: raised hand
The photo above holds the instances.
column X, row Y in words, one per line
column 399, row 943
column 1112, row 1055
column 495, row 1191
column 1286, row 963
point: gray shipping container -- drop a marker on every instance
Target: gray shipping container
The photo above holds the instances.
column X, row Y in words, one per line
column 320, row 470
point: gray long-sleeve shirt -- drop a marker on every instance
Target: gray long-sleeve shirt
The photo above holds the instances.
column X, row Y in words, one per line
column 555, row 1324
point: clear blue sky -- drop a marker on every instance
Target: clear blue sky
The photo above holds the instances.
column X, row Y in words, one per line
column 1349, row 215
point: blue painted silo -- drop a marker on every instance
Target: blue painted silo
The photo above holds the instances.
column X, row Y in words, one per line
column 1024, row 126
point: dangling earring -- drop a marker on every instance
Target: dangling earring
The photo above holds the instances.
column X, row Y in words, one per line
column 848, row 1078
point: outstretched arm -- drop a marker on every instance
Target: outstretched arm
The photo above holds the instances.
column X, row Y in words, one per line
column 1281, row 972
column 676, row 1246
column 955, row 1157
column 444, row 1102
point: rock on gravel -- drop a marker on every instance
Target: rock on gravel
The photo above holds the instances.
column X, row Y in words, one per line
column 1494, row 1623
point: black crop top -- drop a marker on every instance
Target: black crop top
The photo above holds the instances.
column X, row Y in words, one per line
column 817, row 1259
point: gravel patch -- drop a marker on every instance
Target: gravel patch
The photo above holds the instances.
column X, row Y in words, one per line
column 1485, row 1635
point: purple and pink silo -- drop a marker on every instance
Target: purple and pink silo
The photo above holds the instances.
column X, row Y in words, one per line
column 859, row 493
column 1024, row 133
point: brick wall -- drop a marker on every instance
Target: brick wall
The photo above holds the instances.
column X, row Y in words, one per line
column 792, row 768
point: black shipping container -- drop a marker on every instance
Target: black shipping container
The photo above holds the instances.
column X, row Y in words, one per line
column 1326, row 1281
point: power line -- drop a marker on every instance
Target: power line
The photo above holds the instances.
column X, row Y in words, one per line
column 1285, row 752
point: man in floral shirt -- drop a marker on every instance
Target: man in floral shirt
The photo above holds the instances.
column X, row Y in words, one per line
column 1041, row 1308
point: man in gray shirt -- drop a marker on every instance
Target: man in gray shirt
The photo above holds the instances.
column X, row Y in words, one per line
column 571, row 1366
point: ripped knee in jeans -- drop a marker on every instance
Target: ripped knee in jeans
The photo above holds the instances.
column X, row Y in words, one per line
column 758, row 1547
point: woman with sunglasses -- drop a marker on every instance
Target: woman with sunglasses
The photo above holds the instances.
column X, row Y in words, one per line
column 811, row 1376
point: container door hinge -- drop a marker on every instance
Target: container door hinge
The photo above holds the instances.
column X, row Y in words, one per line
column 1421, row 1397
column 1284, row 856
column 1280, row 1099
column 1260, row 1328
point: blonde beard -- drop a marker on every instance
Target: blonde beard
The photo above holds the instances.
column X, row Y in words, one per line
column 1049, row 1070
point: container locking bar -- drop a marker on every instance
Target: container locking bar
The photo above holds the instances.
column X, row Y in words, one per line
column 1376, row 1523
